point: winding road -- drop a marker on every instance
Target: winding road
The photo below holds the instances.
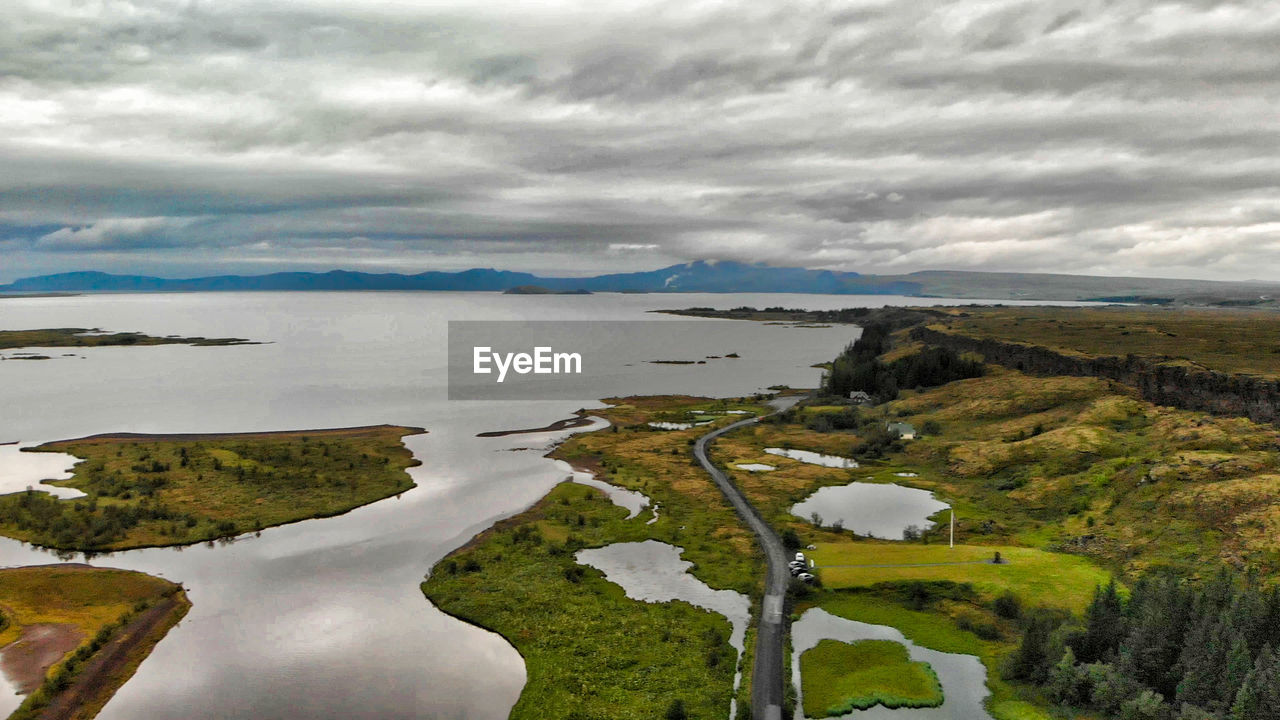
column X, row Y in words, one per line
column 766, row 685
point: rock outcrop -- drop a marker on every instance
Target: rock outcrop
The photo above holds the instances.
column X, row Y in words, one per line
column 1160, row 380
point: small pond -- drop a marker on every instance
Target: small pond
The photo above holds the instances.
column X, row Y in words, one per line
column 20, row 470
column 813, row 458
column 633, row 501
column 963, row 677
column 874, row 509
column 755, row 467
column 676, row 425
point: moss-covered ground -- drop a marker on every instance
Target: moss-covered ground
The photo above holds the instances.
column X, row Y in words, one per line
column 841, row 677
column 172, row 490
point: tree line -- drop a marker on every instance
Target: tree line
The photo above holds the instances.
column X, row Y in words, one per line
column 1173, row 650
column 859, row 367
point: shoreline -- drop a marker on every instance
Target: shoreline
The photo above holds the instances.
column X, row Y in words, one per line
column 110, row 668
column 355, row 431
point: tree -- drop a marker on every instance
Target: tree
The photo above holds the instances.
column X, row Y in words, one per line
column 676, row 711
column 1146, row 706
column 1068, row 682
column 1104, row 625
column 1259, row 695
column 1031, row 661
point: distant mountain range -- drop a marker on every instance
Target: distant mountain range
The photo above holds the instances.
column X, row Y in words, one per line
column 703, row 277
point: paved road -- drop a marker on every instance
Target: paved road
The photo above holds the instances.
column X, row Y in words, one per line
column 766, row 684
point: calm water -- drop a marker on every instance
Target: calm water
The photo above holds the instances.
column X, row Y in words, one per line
column 963, row 677
column 324, row 619
column 875, row 509
column 814, row 458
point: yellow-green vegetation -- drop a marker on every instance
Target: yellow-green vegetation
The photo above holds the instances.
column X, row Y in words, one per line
column 117, row 615
column 1232, row 341
column 157, row 490
column 85, row 337
column 839, row 677
column 1037, row 577
column 589, row 650
column 1082, row 465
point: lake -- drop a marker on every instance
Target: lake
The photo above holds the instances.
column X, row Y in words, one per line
column 324, row 618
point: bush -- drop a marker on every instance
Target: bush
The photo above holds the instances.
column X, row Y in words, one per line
column 1008, row 606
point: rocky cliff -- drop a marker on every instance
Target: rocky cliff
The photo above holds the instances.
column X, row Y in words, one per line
column 1160, row 380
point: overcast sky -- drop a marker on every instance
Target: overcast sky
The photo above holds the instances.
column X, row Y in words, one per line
column 182, row 137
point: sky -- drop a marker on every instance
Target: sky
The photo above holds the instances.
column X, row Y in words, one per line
column 192, row 137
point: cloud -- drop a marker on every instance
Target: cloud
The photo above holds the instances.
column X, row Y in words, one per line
column 1123, row 138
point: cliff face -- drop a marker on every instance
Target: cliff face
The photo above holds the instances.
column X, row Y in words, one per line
column 1163, row 384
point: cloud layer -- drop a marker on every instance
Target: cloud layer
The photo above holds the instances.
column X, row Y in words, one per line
column 184, row 136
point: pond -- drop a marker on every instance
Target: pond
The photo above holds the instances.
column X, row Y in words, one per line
column 20, row 470
column 633, row 501
column 652, row 571
column 963, row 677
column 880, row 510
column 813, row 458
column 755, row 467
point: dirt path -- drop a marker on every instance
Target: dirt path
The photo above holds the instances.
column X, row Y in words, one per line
column 115, row 663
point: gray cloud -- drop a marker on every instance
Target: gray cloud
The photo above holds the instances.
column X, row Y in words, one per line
column 177, row 136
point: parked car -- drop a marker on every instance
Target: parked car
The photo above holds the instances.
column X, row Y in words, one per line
column 805, row 577
column 800, row 556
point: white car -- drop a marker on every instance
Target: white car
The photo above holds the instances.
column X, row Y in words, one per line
column 800, row 557
column 805, row 577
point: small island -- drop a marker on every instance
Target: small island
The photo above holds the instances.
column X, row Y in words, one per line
column 842, row 677
column 156, row 490
column 94, row 337
column 71, row 635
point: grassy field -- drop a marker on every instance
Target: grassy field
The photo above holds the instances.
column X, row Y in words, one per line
column 97, row 602
column 172, row 490
column 840, row 677
column 77, row 337
column 1037, row 577
column 1081, row 465
column 86, row 598
column 590, row 652
column 939, row 625
column 1228, row 340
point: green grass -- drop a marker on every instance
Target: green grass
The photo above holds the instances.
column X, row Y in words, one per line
column 935, row 629
column 75, row 337
column 589, row 651
column 1035, row 576
column 839, row 678
column 171, row 490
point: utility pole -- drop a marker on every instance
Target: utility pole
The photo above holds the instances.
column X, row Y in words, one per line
column 953, row 529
